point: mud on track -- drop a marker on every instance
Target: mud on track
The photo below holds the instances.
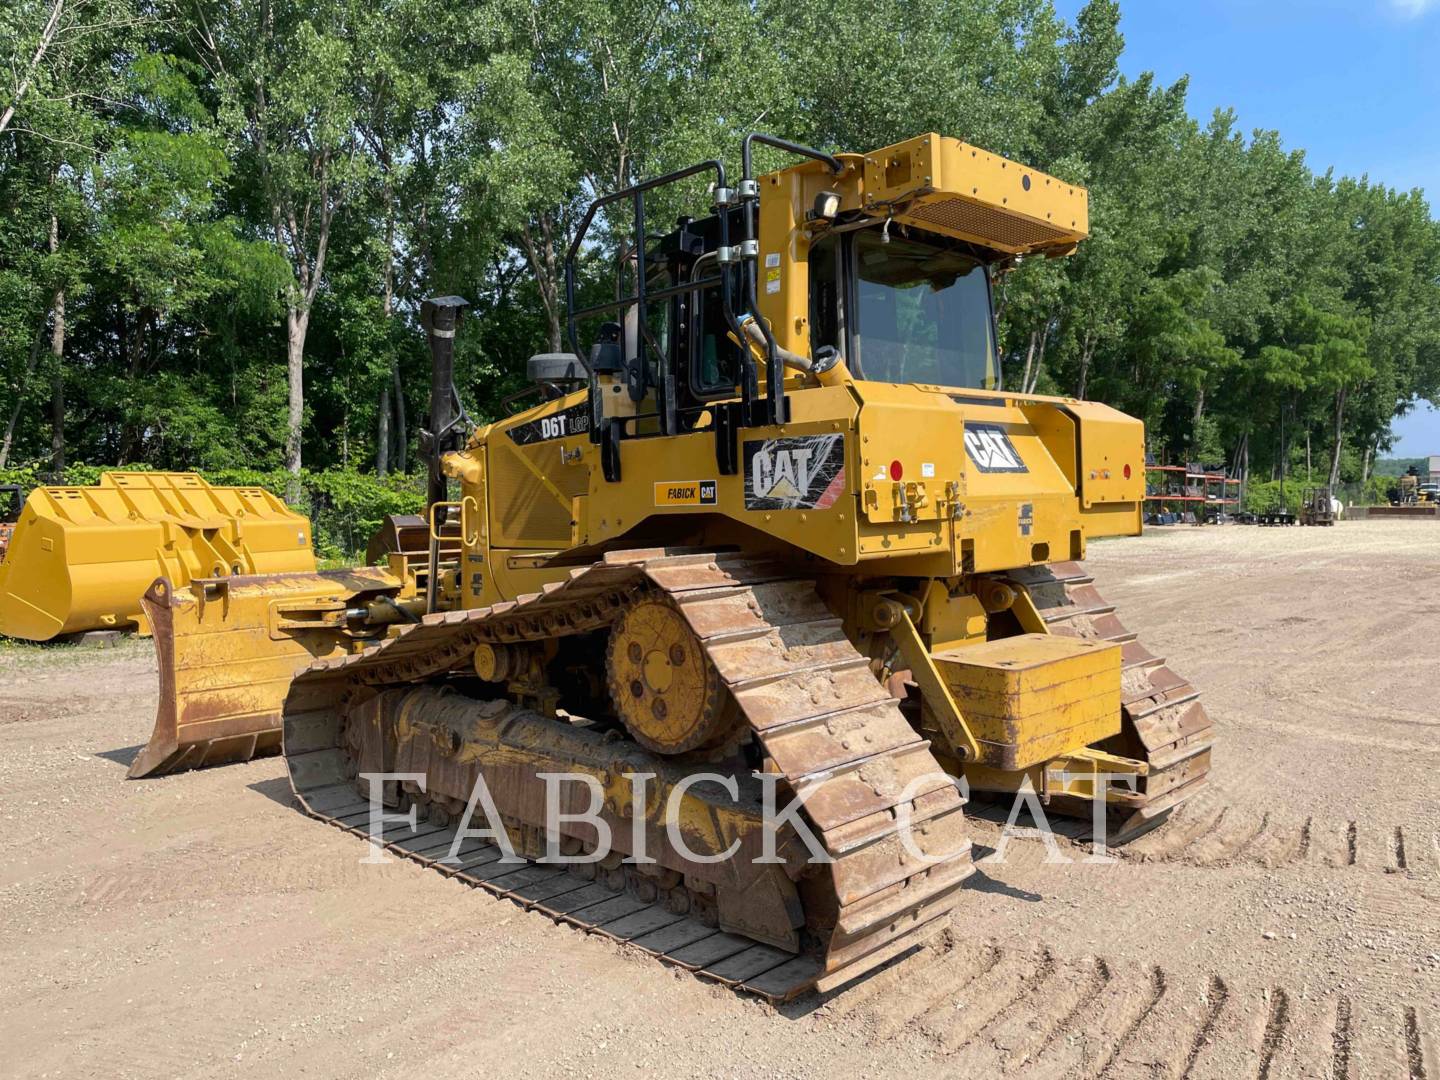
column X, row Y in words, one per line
column 1286, row 925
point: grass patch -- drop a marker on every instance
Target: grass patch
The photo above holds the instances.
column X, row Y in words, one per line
column 33, row 656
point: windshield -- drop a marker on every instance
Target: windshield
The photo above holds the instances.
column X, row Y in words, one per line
column 923, row 314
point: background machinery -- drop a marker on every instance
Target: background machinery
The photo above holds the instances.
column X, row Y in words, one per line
column 781, row 526
column 12, row 497
column 75, row 558
column 1318, row 507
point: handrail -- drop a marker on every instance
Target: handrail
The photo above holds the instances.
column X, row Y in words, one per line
column 635, row 371
column 747, row 254
column 634, row 191
column 750, row 254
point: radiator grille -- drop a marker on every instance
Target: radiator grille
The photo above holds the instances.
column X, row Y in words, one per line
column 523, row 511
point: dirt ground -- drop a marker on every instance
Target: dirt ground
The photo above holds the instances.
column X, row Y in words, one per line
column 1286, row 925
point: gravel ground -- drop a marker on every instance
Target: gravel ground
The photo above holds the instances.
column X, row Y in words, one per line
column 1285, row 925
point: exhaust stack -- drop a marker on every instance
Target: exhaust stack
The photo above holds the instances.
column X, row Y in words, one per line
column 440, row 315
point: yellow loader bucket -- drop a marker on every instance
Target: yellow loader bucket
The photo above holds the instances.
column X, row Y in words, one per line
column 227, row 649
column 79, row 557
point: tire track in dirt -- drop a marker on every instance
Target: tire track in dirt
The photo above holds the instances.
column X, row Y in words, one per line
column 1307, row 1045
column 1023, row 1030
column 1340, row 1041
column 1030, row 1013
column 1017, row 985
column 1276, row 1023
column 1414, row 1052
column 1226, row 836
column 1082, row 999
column 1233, row 838
column 1091, row 1046
column 900, row 1012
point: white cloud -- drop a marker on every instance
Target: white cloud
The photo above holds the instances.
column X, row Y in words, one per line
column 1412, row 9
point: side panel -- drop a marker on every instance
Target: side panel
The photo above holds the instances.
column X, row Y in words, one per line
column 545, row 491
column 976, row 481
column 1112, row 455
column 533, row 475
column 999, row 482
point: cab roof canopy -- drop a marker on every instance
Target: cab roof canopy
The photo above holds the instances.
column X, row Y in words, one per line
column 947, row 186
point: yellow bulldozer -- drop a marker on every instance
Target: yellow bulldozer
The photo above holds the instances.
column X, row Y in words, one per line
column 778, row 528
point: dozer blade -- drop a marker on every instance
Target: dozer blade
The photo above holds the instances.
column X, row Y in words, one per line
column 227, row 649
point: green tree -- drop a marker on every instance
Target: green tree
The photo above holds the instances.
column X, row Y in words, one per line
column 419, row 65
column 597, row 95
column 189, row 191
column 285, row 73
column 69, row 64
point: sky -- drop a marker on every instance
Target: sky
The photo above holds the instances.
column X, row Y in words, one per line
column 1355, row 84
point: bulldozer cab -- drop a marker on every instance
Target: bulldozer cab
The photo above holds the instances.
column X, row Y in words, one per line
column 912, row 308
column 876, row 267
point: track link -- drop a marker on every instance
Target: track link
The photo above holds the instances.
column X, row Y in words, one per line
column 824, row 722
column 1164, row 723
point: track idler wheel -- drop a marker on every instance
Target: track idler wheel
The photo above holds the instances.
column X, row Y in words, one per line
column 664, row 688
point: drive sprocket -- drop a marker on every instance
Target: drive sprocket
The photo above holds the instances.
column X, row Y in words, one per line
column 663, row 686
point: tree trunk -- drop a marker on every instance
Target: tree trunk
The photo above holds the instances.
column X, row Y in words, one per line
column 131, row 434
column 387, row 307
column 1340, row 395
column 1280, row 462
column 1039, row 359
column 400, row 458
column 421, row 232
column 47, row 35
column 382, row 432
column 387, row 304
column 1243, row 467
column 1196, row 420
column 1309, row 466
column 57, row 350
column 1086, row 353
column 30, row 362
column 1029, row 362
column 293, row 233
column 1033, row 373
column 541, row 254
column 57, row 419
column 297, row 323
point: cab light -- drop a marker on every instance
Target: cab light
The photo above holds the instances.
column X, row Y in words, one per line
column 1127, row 472
column 896, row 470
